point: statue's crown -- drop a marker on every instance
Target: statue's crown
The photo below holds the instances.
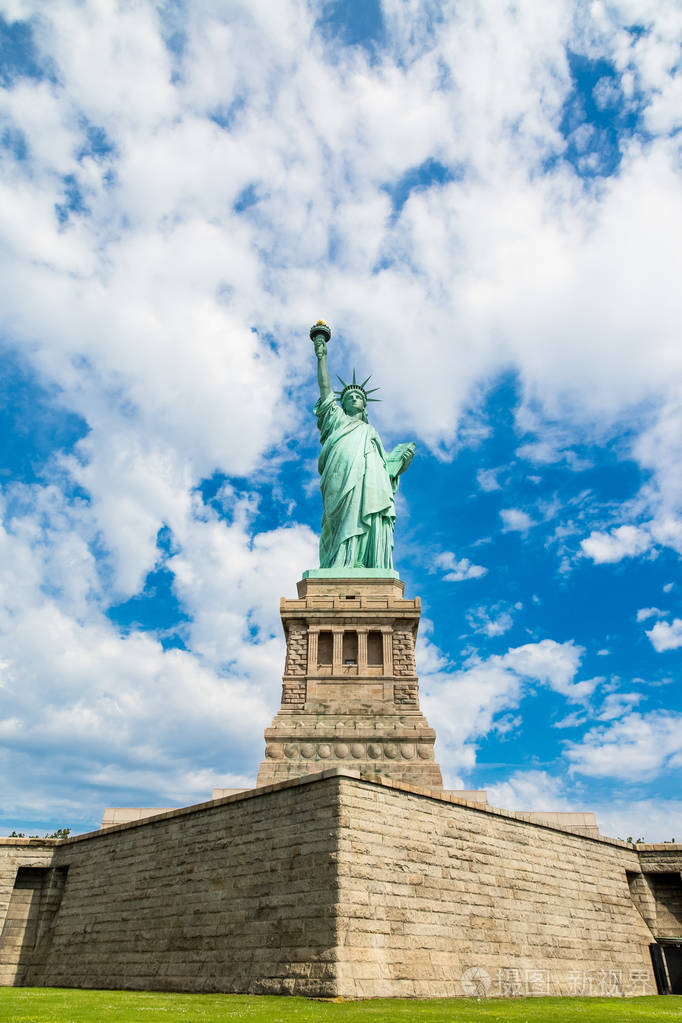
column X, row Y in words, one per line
column 355, row 386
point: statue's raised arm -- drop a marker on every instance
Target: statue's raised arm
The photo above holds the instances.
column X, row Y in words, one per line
column 320, row 335
column 358, row 479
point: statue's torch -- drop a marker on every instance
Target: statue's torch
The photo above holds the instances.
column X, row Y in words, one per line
column 320, row 332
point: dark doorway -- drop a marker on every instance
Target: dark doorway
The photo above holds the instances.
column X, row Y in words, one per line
column 666, row 958
column 673, row 960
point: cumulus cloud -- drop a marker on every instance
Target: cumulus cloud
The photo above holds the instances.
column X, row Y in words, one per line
column 653, row 820
column 515, row 520
column 111, row 712
column 491, row 621
column 658, row 449
column 644, row 613
column 221, row 116
column 487, row 479
column 573, row 720
column 458, row 570
column 230, row 579
column 666, row 635
column 622, row 542
column 636, row 747
column 554, row 664
column 530, row 790
column 467, row 702
column 551, row 441
column 615, row 705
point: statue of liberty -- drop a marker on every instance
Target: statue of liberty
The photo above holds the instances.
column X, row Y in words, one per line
column 358, row 478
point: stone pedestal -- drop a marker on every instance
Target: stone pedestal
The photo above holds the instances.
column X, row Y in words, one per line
column 350, row 694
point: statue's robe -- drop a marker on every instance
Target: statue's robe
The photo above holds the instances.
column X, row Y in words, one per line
column 358, row 480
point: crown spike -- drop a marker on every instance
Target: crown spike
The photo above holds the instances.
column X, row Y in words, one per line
column 354, row 385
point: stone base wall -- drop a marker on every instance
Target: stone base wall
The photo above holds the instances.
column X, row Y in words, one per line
column 440, row 899
column 237, row 897
column 20, row 896
column 337, row 885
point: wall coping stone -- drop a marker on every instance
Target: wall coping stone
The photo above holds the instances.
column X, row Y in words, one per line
column 36, row 843
column 658, row 847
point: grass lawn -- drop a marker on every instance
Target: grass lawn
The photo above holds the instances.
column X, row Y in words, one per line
column 65, row 1005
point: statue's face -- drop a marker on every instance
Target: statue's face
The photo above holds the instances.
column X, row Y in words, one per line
column 353, row 402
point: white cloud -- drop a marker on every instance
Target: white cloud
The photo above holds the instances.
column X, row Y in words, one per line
column 636, row 748
column 553, row 441
column 186, row 172
column 490, row 622
column 658, row 449
column 110, row 716
column 515, row 519
column 653, row 820
column 666, row 635
column 573, row 720
column 457, row 571
column 102, row 716
column 539, row 452
column 623, row 542
column 230, row 581
column 466, row 703
column 530, row 790
column 430, row 659
column 667, row 531
column 615, row 705
column 645, row 613
column 507, row 724
column 606, row 93
column 487, row 479
column 552, row 663
column 498, row 626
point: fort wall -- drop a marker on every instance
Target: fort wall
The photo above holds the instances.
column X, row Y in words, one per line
column 432, row 892
column 338, row 884
column 234, row 896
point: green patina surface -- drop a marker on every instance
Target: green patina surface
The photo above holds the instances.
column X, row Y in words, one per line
column 358, row 478
column 350, row 573
column 59, row 1005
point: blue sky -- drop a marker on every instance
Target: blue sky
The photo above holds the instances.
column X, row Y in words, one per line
column 485, row 203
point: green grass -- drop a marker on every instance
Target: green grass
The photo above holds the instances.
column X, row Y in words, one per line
column 65, row 1005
